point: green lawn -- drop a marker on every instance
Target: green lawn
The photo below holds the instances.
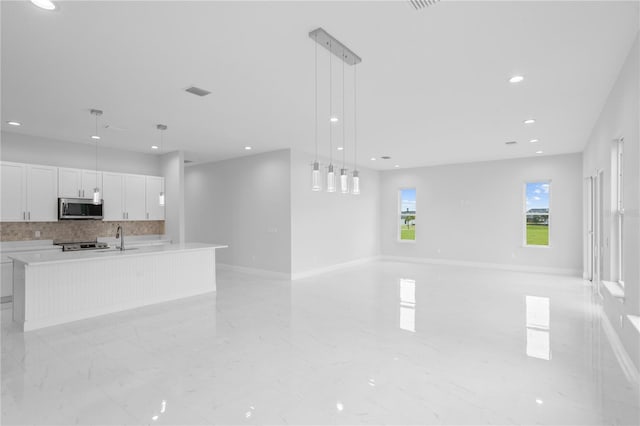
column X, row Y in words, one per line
column 407, row 234
column 537, row 235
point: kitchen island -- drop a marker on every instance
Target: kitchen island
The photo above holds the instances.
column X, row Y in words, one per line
column 55, row 288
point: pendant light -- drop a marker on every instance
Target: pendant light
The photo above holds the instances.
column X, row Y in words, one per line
column 162, row 128
column 335, row 47
column 355, row 180
column 344, row 178
column 331, row 176
column 96, row 190
column 316, row 184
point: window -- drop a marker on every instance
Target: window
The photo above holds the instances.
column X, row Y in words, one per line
column 619, row 179
column 407, row 205
column 537, row 195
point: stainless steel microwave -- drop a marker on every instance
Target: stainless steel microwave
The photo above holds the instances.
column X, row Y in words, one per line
column 79, row 208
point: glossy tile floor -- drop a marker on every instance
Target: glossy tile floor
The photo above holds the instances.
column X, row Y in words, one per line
column 385, row 343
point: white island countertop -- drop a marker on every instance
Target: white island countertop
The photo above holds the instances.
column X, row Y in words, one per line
column 78, row 256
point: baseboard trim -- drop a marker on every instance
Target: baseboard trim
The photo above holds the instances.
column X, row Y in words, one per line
column 254, row 271
column 332, row 268
column 626, row 364
column 500, row 266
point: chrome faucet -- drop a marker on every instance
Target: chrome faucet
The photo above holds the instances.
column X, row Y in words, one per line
column 120, row 234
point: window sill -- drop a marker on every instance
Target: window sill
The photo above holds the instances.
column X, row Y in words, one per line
column 614, row 289
column 535, row 246
column 406, row 241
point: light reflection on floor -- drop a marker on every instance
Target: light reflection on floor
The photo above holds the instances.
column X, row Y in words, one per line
column 386, row 343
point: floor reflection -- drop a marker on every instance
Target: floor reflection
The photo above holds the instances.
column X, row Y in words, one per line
column 538, row 327
column 408, row 304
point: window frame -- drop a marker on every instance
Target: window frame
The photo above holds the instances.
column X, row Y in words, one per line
column 619, row 208
column 524, row 213
column 399, row 217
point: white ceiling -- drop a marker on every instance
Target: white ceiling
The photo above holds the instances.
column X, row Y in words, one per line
column 432, row 86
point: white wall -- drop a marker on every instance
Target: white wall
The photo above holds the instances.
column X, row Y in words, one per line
column 173, row 171
column 619, row 118
column 331, row 228
column 52, row 152
column 474, row 213
column 245, row 203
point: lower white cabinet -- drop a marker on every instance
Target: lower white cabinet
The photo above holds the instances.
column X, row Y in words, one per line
column 6, row 285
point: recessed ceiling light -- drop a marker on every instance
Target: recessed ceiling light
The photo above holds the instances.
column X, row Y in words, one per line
column 373, row 158
column 95, row 137
column 340, row 148
column 397, row 165
column 44, row 4
column 539, row 152
column 154, row 147
column 14, row 123
column 529, row 121
column 516, row 79
column 333, row 119
column 533, row 140
column 248, row 148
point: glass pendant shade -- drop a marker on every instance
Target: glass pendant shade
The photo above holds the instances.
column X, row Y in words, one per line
column 331, row 179
column 316, row 184
column 344, row 181
column 161, row 198
column 356, row 183
column 96, row 196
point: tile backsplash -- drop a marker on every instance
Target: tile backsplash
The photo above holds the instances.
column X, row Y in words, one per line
column 75, row 230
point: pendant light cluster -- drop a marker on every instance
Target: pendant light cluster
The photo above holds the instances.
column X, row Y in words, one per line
column 162, row 128
column 96, row 137
column 322, row 38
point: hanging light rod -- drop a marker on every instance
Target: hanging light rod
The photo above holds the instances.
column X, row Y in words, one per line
column 330, row 43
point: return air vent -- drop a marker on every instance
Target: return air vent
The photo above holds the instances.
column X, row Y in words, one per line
column 421, row 4
column 197, row 91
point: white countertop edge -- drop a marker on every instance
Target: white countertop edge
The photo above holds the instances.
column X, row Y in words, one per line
column 34, row 259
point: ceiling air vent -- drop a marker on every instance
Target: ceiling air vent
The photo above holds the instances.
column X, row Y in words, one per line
column 386, row 157
column 188, row 161
column 421, row 4
column 197, row 91
column 511, row 143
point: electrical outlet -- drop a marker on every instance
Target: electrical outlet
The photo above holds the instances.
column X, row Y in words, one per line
column 37, row 234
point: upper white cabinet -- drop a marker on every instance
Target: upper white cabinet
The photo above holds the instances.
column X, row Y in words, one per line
column 29, row 193
column 134, row 197
column 155, row 185
column 124, row 196
column 77, row 183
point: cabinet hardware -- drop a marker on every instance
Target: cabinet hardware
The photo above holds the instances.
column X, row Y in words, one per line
column 24, row 216
column 29, row 216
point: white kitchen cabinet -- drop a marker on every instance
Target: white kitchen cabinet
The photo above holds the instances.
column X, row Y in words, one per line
column 77, row 183
column 112, row 190
column 6, row 285
column 124, row 196
column 134, row 197
column 14, row 192
column 155, row 185
column 29, row 193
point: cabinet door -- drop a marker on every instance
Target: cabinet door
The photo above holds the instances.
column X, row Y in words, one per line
column 14, row 188
column 134, row 197
column 42, row 194
column 112, row 196
column 6, row 285
column 69, row 183
column 91, row 180
column 155, row 185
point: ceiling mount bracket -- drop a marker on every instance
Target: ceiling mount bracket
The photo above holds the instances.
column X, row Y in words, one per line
column 330, row 43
